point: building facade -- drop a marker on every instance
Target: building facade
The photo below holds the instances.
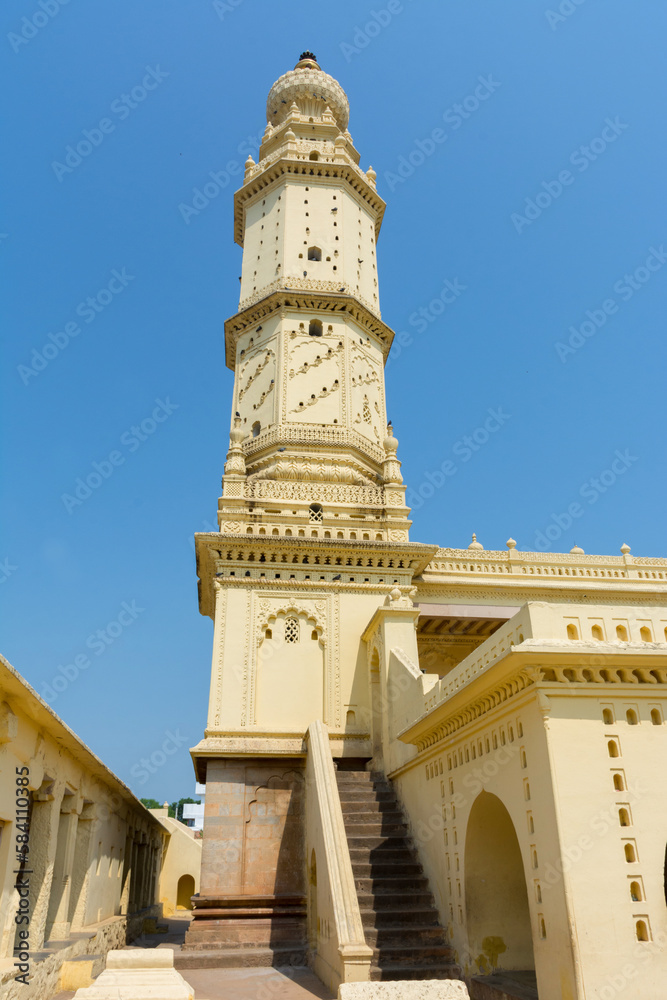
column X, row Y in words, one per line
column 515, row 701
column 91, row 852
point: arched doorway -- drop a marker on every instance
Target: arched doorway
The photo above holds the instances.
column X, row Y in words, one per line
column 184, row 892
column 498, row 917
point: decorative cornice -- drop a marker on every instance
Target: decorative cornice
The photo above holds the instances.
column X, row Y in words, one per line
column 341, row 303
column 258, row 554
column 515, row 670
column 301, row 284
column 299, row 165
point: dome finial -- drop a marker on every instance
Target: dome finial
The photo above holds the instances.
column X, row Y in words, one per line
column 307, row 60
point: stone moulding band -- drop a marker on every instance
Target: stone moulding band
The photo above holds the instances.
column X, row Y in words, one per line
column 366, row 496
column 341, row 303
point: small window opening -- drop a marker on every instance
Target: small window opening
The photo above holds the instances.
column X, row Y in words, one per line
column 622, row 633
column 645, row 634
column 618, row 783
column 256, row 428
column 315, row 328
column 607, row 716
column 656, row 717
column 572, row 632
column 623, row 817
column 596, row 632
column 315, row 513
column 642, row 931
column 630, row 855
column 314, row 253
column 291, row 630
column 314, row 155
column 635, row 892
column 612, row 747
column 631, row 716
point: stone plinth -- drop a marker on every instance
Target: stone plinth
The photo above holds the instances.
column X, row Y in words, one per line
column 409, row 989
column 253, row 863
column 137, row 974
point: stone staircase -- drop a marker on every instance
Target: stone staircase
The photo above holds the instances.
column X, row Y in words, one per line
column 400, row 920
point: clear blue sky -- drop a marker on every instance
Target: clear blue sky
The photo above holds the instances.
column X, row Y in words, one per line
column 156, row 333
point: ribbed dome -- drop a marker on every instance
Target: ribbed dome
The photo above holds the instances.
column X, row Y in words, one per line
column 311, row 89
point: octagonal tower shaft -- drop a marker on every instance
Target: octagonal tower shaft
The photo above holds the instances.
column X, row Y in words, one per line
column 308, row 344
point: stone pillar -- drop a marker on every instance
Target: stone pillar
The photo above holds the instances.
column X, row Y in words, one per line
column 44, row 816
column 58, row 923
column 83, row 866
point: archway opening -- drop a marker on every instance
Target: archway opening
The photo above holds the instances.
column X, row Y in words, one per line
column 498, row 916
column 185, row 892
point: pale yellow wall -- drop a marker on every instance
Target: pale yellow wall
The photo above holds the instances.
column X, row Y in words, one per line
column 303, row 212
column 182, row 856
column 549, row 741
column 83, row 819
column 596, row 872
column 279, row 687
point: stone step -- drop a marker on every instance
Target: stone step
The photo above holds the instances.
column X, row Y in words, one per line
column 404, row 934
column 414, row 956
column 380, row 886
column 368, row 805
column 399, row 915
column 352, row 793
column 239, row 958
column 390, row 841
column 400, row 920
column 393, row 869
column 375, row 829
column 363, row 815
column 398, row 910
column 360, row 777
column 366, row 855
column 433, row 970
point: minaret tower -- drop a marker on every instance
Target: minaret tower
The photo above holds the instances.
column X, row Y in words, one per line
column 308, row 344
column 313, row 527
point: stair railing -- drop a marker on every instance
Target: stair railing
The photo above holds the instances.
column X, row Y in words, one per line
column 338, row 950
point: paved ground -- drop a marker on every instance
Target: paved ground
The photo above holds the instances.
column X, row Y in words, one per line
column 256, row 984
column 233, row 984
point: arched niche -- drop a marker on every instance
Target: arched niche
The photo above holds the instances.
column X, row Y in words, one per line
column 290, row 683
column 497, row 912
